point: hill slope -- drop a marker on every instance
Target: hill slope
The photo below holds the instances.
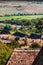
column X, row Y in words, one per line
column 7, row 7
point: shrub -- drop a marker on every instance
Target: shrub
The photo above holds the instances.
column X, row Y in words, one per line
column 35, row 45
column 14, row 44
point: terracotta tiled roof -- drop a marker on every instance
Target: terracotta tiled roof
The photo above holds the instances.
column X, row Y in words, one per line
column 23, row 57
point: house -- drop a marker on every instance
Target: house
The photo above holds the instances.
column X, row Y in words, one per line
column 6, row 38
column 21, row 40
column 20, row 34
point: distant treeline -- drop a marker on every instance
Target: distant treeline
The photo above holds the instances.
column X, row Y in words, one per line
column 21, row 0
column 21, row 14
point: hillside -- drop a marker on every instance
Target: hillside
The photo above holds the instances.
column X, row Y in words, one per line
column 14, row 7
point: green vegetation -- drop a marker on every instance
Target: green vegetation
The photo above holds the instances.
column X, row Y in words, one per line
column 20, row 17
column 14, row 44
column 35, row 46
column 5, row 53
column 33, row 26
column 39, row 26
column 27, row 26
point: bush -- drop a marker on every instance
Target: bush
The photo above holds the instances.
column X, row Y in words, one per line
column 35, row 45
column 14, row 44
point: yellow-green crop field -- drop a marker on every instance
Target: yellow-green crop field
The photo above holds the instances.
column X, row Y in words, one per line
column 21, row 17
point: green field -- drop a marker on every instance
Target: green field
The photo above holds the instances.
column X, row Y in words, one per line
column 20, row 17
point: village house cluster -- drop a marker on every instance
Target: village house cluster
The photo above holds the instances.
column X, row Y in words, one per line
column 34, row 38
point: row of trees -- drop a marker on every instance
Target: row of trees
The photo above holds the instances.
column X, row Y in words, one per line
column 23, row 14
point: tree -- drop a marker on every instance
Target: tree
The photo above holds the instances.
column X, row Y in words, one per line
column 14, row 44
column 35, row 45
column 6, row 29
column 39, row 26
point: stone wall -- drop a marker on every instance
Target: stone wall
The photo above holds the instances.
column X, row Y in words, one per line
column 23, row 57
